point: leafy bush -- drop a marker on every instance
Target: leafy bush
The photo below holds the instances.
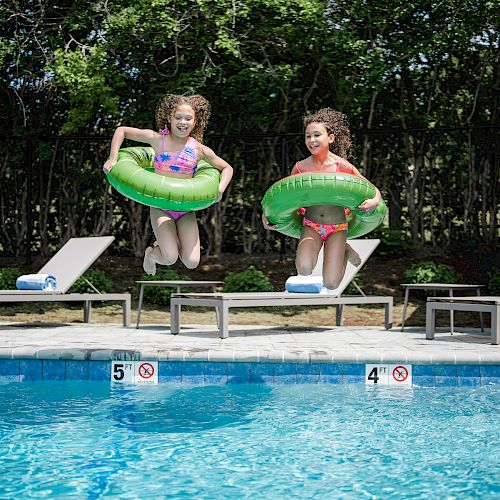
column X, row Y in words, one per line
column 99, row 280
column 158, row 294
column 393, row 242
column 494, row 281
column 250, row 280
column 8, row 276
column 428, row 271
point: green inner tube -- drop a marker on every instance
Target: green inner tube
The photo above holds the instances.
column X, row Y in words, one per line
column 283, row 199
column 133, row 176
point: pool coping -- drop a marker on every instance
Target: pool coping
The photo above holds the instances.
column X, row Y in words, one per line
column 252, row 354
column 248, row 343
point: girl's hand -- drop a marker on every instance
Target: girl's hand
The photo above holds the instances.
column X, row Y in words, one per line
column 219, row 197
column 266, row 224
column 368, row 205
column 108, row 165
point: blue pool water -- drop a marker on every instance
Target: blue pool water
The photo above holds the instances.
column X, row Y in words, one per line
column 93, row 440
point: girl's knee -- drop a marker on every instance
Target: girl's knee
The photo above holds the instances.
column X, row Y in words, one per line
column 332, row 282
column 191, row 259
column 166, row 256
column 191, row 263
column 304, row 266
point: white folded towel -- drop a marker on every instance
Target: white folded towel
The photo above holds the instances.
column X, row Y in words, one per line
column 304, row 284
column 36, row 282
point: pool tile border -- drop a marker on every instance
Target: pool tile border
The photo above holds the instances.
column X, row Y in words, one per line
column 245, row 372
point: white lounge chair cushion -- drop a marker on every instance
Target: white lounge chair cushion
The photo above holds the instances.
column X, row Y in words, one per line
column 36, row 282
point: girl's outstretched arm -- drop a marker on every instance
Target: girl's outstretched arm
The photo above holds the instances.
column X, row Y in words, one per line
column 122, row 133
column 371, row 203
column 220, row 164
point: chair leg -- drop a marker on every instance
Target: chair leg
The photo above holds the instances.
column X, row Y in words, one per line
column 405, row 304
column 139, row 306
column 217, row 319
column 175, row 318
column 481, row 320
column 388, row 315
column 87, row 311
column 126, row 311
column 339, row 313
column 430, row 321
column 495, row 325
column 223, row 321
column 451, row 314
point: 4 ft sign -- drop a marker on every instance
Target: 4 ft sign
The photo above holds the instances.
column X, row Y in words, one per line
column 397, row 374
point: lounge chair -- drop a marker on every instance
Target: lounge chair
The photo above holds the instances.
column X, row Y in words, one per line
column 224, row 301
column 67, row 265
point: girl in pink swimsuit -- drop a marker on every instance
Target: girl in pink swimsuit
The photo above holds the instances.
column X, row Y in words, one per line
column 327, row 138
column 181, row 121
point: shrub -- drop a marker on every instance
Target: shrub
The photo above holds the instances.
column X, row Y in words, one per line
column 494, row 281
column 250, row 280
column 8, row 276
column 158, row 294
column 428, row 271
column 97, row 278
column 393, row 242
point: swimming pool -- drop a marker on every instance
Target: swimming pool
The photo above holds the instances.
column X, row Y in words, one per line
column 96, row 440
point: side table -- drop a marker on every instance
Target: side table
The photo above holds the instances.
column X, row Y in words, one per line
column 451, row 287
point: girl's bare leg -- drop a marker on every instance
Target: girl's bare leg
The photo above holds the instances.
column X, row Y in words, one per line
column 334, row 259
column 189, row 240
column 166, row 252
column 307, row 251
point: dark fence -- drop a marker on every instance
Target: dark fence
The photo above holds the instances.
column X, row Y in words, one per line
column 440, row 185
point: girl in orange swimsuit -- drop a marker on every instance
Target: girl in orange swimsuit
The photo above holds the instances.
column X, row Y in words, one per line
column 327, row 137
column 181, row 121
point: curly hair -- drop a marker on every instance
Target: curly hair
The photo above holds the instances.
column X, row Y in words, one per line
column 336, row 123
column 168, row 104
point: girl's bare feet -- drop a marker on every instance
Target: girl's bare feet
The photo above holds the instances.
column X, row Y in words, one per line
column 352, row 256
column 148, row 264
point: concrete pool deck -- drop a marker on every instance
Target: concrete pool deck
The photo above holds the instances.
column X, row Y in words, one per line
column 246, row 344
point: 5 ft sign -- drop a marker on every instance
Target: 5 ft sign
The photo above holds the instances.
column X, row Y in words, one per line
column 388, row 374
column 134, row 372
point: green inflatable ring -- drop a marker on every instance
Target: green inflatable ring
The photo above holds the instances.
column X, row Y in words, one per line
column 133, row 176
column 283, row 200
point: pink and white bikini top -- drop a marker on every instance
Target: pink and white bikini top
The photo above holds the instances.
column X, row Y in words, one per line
column 183, row 161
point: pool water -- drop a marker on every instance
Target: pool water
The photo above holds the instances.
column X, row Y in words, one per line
column 93, row 440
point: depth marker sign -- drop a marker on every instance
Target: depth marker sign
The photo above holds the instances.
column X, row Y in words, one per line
column 388, row 374
column 122, row 372
column 134, row 372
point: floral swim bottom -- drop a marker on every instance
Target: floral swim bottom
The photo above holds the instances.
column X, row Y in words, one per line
column 324, row 230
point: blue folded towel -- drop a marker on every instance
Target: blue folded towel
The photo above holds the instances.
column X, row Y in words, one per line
column 304, row 284
column 36, row 282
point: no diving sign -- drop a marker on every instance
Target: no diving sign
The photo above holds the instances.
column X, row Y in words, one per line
column 400, row 374
column 134, row 372
column 388, row 374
